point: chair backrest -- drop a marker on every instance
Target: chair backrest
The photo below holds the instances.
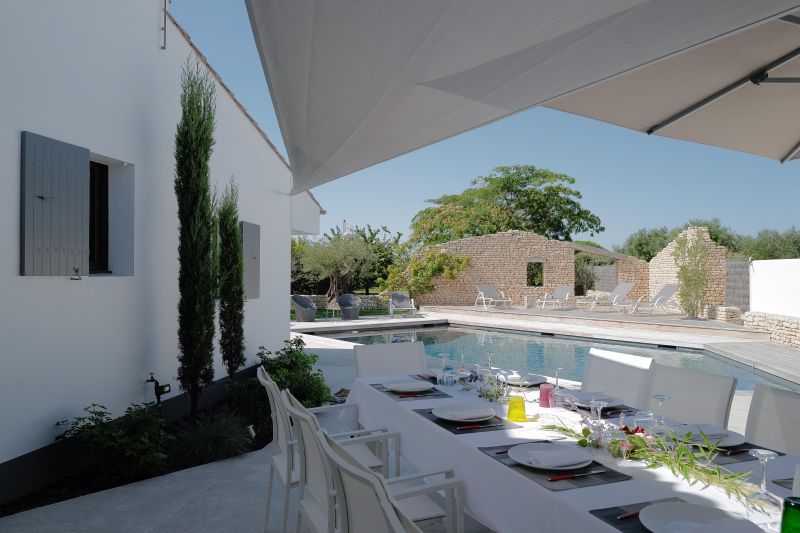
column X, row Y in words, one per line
column 349, row 300
column 315, row 475
column 618, row 374
column 401, row 299
column 363, row 502
column 562, row 292
column 666, row 292
column 303, row 302
column 281, row 429
column 774, row 419
column 695, row 397
column 390, row 359
column 487, row 290
column 620, row 292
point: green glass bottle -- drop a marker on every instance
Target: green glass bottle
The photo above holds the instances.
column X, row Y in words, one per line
column 790, row 522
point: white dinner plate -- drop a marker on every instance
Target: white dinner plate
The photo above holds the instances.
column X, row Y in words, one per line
column 463, row 412
column 522, row 453
column 730, row 439
column 523, row 380
column 674, row 517
column 413, row 385
column 584, row 399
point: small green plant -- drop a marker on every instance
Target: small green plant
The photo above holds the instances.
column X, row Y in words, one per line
column 691, row 258
column 293, row 368
column 417, row 273
column 248, row 400
column 211, row 438
column 135, row 445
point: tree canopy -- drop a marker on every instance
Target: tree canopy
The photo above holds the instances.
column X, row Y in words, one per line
column 341, row 258
column 520, row 197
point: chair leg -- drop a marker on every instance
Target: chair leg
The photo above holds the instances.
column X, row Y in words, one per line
column 269, row 496
column 286, row 507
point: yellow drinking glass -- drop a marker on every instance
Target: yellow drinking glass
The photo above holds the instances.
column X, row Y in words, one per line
column 516, row 409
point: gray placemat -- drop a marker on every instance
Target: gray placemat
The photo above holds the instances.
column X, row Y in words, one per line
column 629, row 525
column 493, row 424
column 786, row 483
column 406, row 396
column 540, row 476
column 738, row 454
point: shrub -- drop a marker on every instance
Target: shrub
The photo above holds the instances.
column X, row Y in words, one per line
column 248, row 400
column 135, row 445
column 231, row 282
column 292, row 368
column 691, row 258
column 211, row 438
column 417, row 273
column 584, row 274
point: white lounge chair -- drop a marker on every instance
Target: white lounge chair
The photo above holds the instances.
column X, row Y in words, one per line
column 488, row 296
column 560, row 296
column 618, row 374
column 774, row 419
column 694, row 397
column 663, row 296
column 401, row 300
column 390, row 359
column 615, row 297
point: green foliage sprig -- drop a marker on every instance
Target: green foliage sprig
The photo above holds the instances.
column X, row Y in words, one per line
column 292, row 368
column 691, row 258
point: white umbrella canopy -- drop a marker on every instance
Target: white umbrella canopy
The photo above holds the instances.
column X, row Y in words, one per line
column 716, row 94
column 357, row 82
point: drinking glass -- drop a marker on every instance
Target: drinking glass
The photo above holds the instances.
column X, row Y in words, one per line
column 645, row 420
column 559, row 369
column 763, row 508
column 571, row 402
column 661, row 398
column 598, row 406
column 448, row 378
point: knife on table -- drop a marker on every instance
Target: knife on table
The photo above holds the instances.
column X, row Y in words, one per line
column 562, row 477
column 477, row 426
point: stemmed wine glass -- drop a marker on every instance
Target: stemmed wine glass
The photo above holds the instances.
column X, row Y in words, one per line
column 660, row 398
column 559, row 369
column 763, row 508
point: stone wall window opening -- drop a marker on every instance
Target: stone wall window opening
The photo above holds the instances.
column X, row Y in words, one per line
column 535, row 274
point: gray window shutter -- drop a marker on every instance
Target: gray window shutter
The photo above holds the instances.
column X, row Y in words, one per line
column 54, row 218
column 251, row 250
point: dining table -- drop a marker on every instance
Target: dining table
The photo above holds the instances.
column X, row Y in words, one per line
column 506, row 499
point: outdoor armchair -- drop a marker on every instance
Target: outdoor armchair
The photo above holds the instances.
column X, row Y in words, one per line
column 621, row 375
column 489, row 296
column 393, row 359
column 401, row 300
column 618, row 296
column 305, row 309
column 774, row 419
column 350, row 306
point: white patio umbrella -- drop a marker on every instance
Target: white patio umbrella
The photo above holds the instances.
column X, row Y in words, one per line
column 357, row 82
column 740, row 92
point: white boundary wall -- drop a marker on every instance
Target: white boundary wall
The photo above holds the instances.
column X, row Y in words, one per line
column 775, row 287
column 92, row 73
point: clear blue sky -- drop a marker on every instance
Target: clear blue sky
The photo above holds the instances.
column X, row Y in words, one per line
column 628, row 179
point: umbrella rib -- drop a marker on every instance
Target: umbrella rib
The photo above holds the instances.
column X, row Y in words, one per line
column 791, row 153
column 756, row 77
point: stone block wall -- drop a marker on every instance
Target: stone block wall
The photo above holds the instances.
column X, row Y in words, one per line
column 501, row 259
column 605, row 277
column 781, row 328
column 636, row 271
column 737, row 283
column 663, row 269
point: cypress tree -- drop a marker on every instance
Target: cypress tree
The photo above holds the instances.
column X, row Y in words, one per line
column 231, row 282
column 194, row 143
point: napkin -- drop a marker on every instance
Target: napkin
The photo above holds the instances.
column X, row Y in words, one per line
column 728, row 525
column 468, row 413
column 556, row 458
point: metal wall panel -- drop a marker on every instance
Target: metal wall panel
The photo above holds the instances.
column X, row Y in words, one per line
column 54, row 217
column 251, row 250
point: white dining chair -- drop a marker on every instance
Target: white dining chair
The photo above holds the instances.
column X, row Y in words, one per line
column 390, row 359
column 694, row 397
column 362, row 499
column 411, row 491
column 774, row 419
column 617, row 374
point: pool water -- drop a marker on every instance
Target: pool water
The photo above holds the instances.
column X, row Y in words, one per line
column 530, row 352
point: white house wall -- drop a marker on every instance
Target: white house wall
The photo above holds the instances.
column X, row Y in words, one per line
column 775, row 287
column 305, row 214
column 92, row 73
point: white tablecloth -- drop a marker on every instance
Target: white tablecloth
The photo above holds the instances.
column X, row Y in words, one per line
column 508, row 502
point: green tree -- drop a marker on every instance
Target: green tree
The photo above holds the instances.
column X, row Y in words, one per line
column 384, row 245
column 339, row 258
column 303, row 281
column 691, row 258
column 416, row 273
column 231, row 282
column 646, row 243
column 194, row 143
column 722, row 235
column 772, row 244
column 520, row 197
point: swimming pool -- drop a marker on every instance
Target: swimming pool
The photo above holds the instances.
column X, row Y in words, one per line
column 539, row 354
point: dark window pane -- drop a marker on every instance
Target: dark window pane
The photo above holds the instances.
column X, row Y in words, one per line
column 98, row 217
column 535, row 274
